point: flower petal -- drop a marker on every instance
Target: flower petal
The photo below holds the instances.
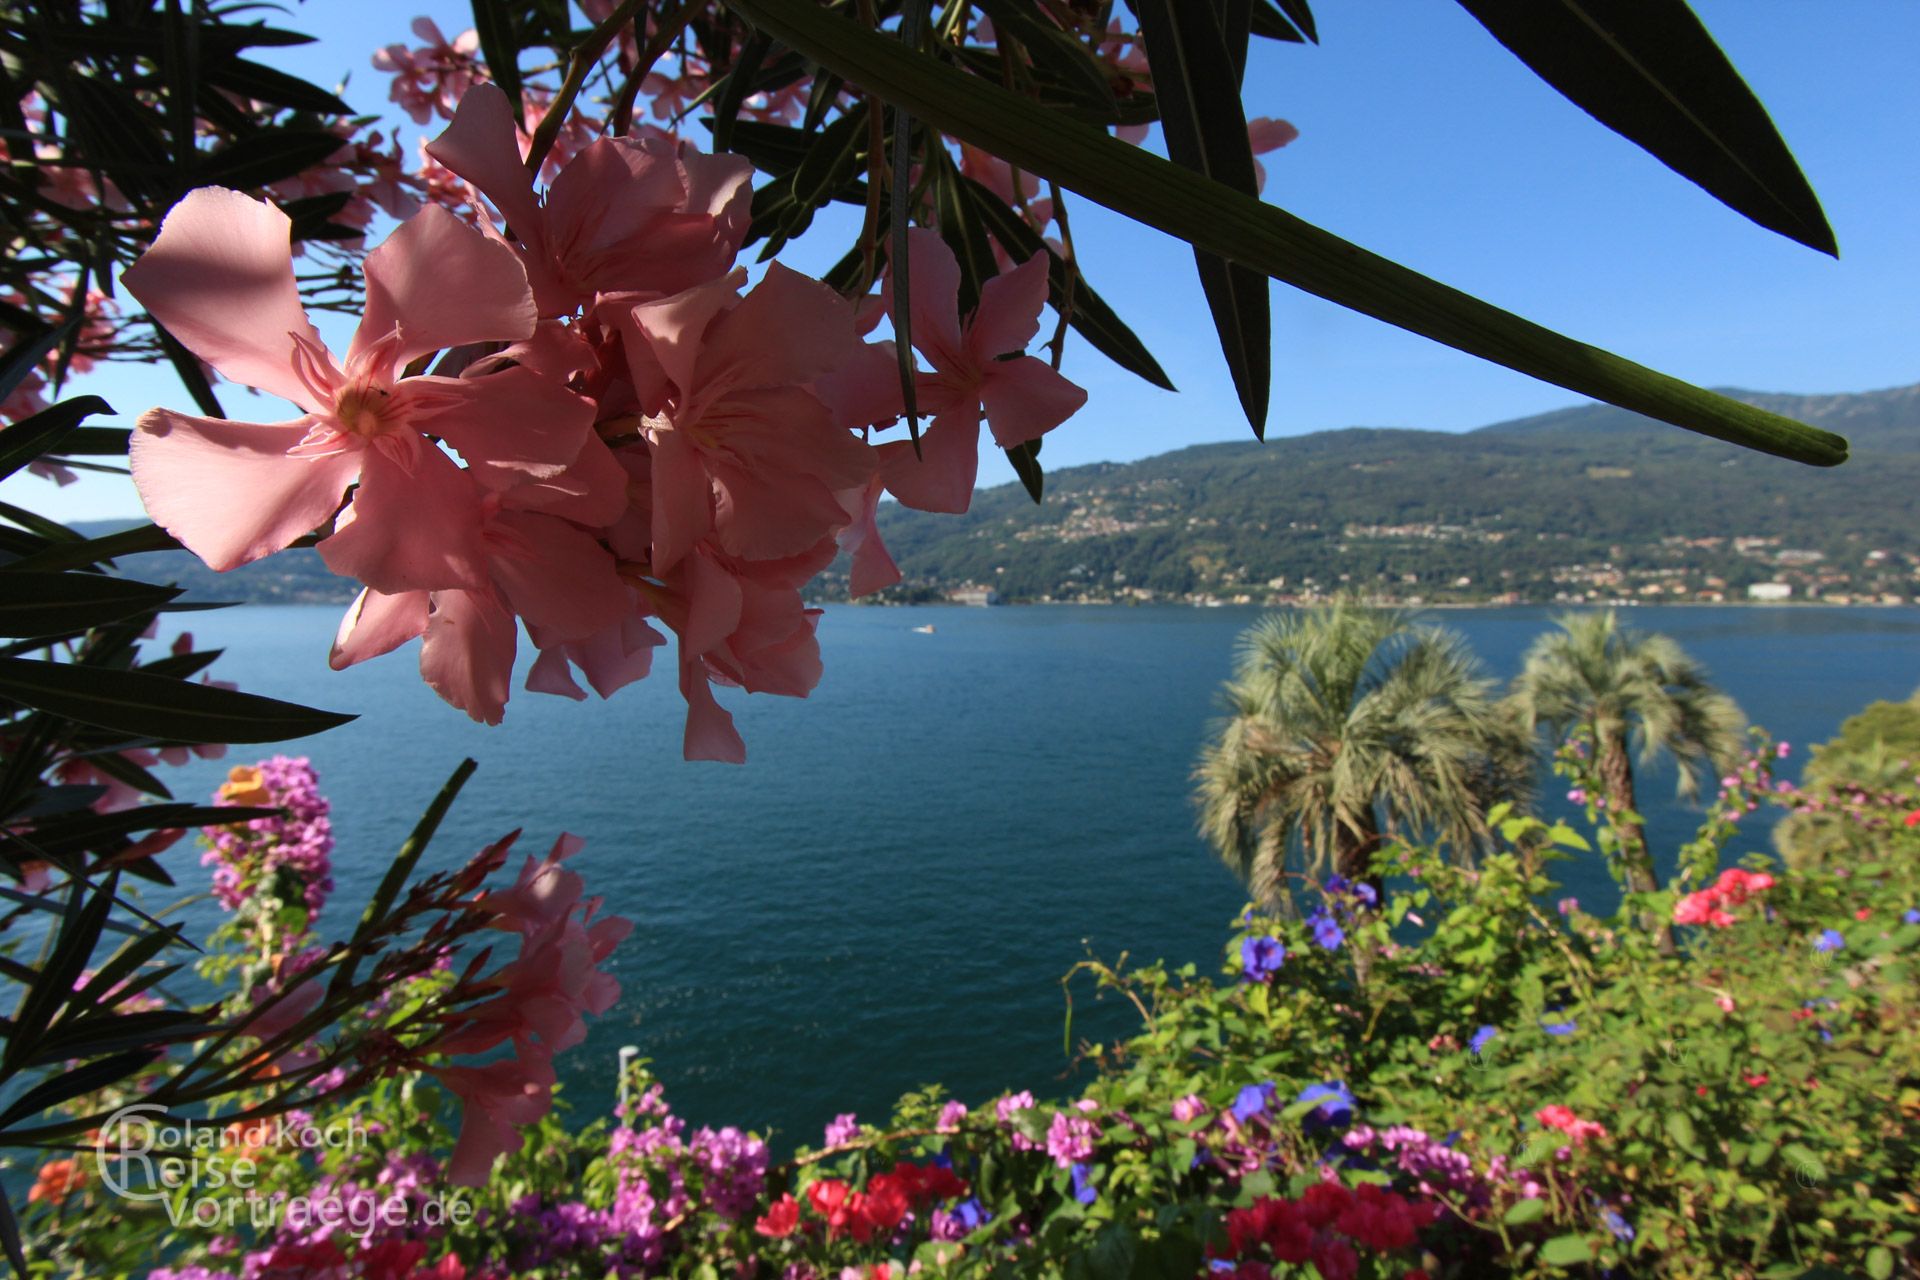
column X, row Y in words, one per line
column 442, row 284
column 467, row 656
column 682, row 498
column 481, row 145
column 511, row 427
column 710, row 734
column 555, row 576
column 789, row 329
column 375, row 624
column 933, row 301
column 941, row 478
column 1009, row 312
column 1025, row 399
column 413, row 524
column 219, row 277
column 227, row 490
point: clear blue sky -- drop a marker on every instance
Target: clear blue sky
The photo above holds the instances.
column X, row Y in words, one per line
column 1423, row 139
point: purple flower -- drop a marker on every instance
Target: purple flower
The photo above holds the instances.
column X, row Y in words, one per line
column 1335, row 1103
column 1829, row 940
column 1621, row 1228
column 1482, row 1038
column 1252, row 1101
column 1260, row 958
column 843, row 1128
column 1566, row 1028
column 951, row 1115
column 1911, row 915
column 1326, row 931
column 1083, row 1188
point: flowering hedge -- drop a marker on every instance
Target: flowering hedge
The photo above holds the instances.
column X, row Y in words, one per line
column 1502, row 1089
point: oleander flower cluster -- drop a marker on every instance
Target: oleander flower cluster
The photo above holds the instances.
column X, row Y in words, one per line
column 585, row 420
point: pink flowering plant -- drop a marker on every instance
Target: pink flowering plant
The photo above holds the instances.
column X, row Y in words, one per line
column 573, row 415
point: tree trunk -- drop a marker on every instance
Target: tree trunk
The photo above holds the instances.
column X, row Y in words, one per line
column 1353, row 850
column 1636, row 859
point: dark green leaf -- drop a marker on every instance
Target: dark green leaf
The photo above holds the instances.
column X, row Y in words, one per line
column 1649, row 70
column 82, row 1079
column 146, row 537
column 1072, row 64
column 24, row 356
column 402, row 867
column 1197, row 83
column 47, row 604
column 1212, row 216
column 1026, row 464
column 10, row 1239
column 156, row 706
column 500, row 46
column 1289, row 20
column 96, row 442
column 264, row 84
column 192, row 376
column 1092, row 318
column 86, row 912
column 775, row 149
column 268, row 156
column 739, row 82
column 28, row 438
column 831, row 161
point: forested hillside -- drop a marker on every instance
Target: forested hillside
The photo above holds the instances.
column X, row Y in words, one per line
column 1585, row 503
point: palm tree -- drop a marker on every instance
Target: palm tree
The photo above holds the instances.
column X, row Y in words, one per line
column 1346, row 724
column 1628, row 690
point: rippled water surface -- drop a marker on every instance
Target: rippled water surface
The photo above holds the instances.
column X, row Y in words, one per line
column 890, row 891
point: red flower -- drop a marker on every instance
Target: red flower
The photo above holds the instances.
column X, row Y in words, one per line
column 1913, row 819
column 392, row 1259
column 781, row 1218
column 884, row 1206
column 1323, row 1202
column 835, row 1201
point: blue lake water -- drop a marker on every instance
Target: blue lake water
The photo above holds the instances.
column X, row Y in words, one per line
column 890, row 891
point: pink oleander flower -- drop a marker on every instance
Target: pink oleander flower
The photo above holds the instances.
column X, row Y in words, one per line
column 436, row 76
column 640, row 214
column 742, row 450
column 952, row 1115
column 546, row 571
column 979, row 370
column 497, row 1100
column 1265, row 134
column 220, row 278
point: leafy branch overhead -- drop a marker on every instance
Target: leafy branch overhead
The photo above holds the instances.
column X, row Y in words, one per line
column 1047, row 133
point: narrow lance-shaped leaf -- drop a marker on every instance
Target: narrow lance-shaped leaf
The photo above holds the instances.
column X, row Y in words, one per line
column 157, row 706
column 1262, row 236
column 1196, row 81
column 1651, row 72
column 1092, row 318
column 31, row 437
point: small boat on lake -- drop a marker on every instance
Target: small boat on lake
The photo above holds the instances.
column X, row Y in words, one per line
column 926, row 630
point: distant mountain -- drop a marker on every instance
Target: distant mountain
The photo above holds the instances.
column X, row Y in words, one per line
column 292, row 577
column 1590, row 502
column 1586, row 502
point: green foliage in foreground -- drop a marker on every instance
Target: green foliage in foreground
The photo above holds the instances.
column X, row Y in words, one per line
column 1503, row 1088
